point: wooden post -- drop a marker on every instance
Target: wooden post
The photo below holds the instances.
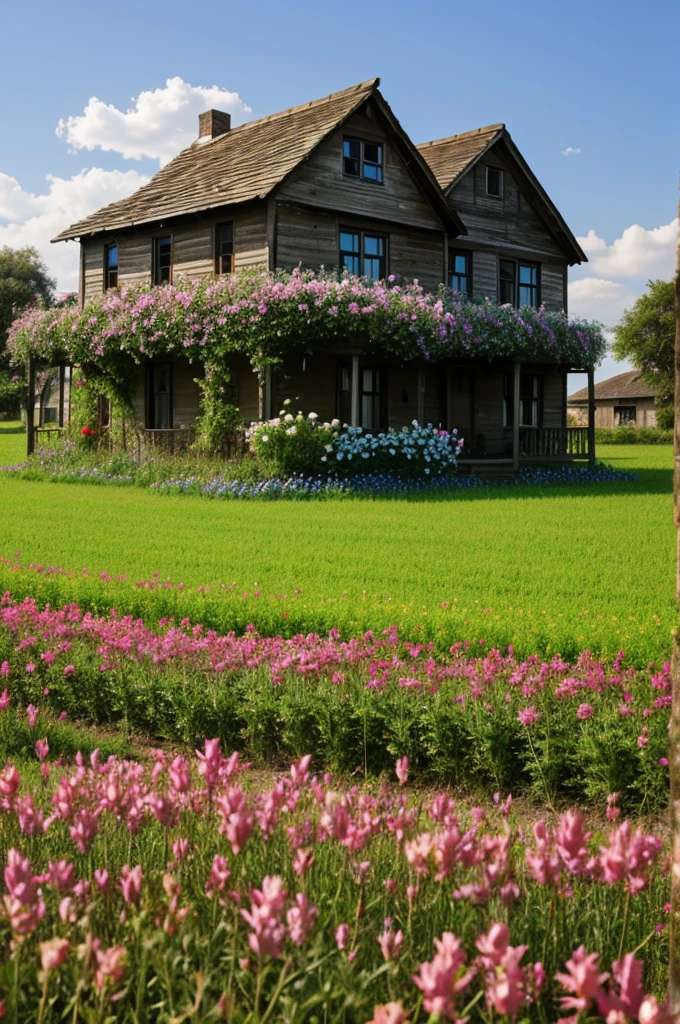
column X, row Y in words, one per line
column 62, row 389
column 516, row 398
column 674, row 736
column 591, row 414
column 268, row 393
column 420, row 414
column 354, row 405
column 30, row 409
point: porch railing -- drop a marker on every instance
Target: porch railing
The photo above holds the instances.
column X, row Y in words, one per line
column 180, row 440
column 553, row 442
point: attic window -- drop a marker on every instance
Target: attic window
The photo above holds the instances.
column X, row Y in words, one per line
column 494, row 182
column 362, row 159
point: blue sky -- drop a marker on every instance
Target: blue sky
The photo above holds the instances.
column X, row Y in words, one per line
column 599, row 76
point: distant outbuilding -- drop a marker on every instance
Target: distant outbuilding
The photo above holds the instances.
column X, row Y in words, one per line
column 624, row 400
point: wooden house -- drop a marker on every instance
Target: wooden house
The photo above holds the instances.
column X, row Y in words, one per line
column 337, row 183
column 621, row 401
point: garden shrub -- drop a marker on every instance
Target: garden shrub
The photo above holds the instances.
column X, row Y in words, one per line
column 633, row 435
column 290, row 445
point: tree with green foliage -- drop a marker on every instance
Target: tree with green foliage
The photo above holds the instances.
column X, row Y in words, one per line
column 645, row 334
column 24, row 280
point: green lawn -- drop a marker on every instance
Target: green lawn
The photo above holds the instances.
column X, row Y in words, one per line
column 553, row 570
column 12, row 443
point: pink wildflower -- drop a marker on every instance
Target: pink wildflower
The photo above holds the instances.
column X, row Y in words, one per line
column 389, row 1013
column 264, row 917
column 131, row 883
column 402, row 770
column 53, row 953
column 111, row 964
column 529, row 716
column 583, row 979
column 300, row 919
column 42, row 749
column 32, row 715
column 443, row 978
column 341, row 935
column 4, row 699
column 585, row 711
column 390, row 942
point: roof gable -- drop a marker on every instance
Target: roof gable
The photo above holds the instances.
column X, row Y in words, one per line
column 454, row 157
column 248, row 163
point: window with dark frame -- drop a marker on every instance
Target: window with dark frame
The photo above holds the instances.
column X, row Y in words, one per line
column 494, row 182
column 110, row 265
column 363, row 253
column 224, row 248
column 363, row 159
column 370, row 397
column 507, row 281
column 162, row 259
column 159, row 406
column 528, row 285
column 624, row 415
column 530, row 400
column 459, row 272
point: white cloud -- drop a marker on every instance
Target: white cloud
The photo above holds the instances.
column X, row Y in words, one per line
column 158, row 125
column 639, row 252
column 570, row 151
column 30, row 219
column 599, row 299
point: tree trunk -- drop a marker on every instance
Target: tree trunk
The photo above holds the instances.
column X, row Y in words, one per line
column 674, row 751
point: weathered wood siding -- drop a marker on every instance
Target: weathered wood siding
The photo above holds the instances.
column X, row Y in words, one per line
column 507, row 227
column 402, row 395
column 186, row 393
column 246, row 386
column 312, row 237
column 193, row 249
column 305, row 236
column 645, row 412
column 319, row 181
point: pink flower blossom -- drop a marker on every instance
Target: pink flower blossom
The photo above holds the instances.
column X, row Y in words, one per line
column 390, row 942
column 582, row 978
column 442, row 979
column 389, row 1013
column 53, row 953
column 42, row 749
column 131, row 883
column 402, row 770
column 300, row 919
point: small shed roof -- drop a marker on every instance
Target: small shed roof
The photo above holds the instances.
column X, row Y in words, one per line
column 249, row 161
column 623, row 385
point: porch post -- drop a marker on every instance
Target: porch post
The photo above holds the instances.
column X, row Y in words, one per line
column 354, row 405
column 420, row 415
column 62, row 388
column 268, row 393
column 591, row 414
column 516, row 369
column 30, row 408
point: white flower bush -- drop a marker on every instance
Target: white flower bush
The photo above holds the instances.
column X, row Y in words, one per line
column 304, row 445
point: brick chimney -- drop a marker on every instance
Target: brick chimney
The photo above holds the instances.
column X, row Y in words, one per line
column 213, row 123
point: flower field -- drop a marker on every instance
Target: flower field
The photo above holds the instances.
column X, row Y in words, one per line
column 390, row 671
column 478, row 718
column 181, row 889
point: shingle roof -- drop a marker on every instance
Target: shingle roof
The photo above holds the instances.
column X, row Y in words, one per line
column 247, row 163
column 451, row 157
column 624, row 385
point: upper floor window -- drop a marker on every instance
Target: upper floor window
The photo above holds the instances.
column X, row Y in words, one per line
column 162, row 259
column 363, row 159
column 364, row 254
column 507, row 281
column 459, row 272
column 518, row 283
column 110, row 266
column 224, row 248
column 528, row 285
column 494, row 182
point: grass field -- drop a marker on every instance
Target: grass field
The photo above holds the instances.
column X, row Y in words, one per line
column 554, row 570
